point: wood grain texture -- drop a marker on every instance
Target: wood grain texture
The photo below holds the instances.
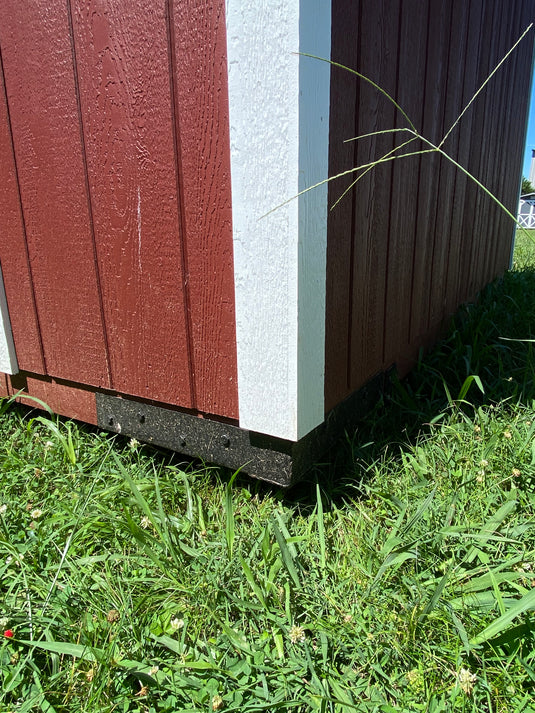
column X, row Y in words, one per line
column 405, row 183
column 513, row 139
column 14, row 254
column 428, row 204
column 279, row 105
column 463, row 184
column 64, row 398
column 41, row 94
column 487, row 211
column 200, row 90
column 122, row 64
column 4, row 386
column 457, row 238
column 342, row 157
column 160, row 192
column 449, row 174
column 378, row 60
column 477, row 203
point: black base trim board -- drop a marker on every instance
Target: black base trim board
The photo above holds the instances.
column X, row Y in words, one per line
column 272, row 459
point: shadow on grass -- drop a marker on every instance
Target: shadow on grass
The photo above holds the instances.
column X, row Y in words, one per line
column 487, row 338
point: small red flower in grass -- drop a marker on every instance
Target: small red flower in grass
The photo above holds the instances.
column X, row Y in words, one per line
column 8, row 633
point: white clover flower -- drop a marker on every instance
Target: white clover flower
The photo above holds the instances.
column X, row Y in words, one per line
column 217, row 703
column 3, row 509
column 296, row 634
column 176, row 623
column 4, row 621
column 133, row 443
column 466, row 681
column 153, row 670
column 36, row 513
column 145, row 522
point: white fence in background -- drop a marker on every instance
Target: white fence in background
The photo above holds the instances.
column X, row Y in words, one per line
column 526, row 211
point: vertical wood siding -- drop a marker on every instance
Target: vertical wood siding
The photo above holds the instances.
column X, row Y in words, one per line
column 14, row 251
column 116, row 236
column 416, row 237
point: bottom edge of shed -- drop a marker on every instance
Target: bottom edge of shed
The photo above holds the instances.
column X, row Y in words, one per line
column 275, row 460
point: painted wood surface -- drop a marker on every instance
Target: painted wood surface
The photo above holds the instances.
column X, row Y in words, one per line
column 121, row 190
column 41, row 94
column 8, row 356
column 406, row 176
column 63, row 397
column 121, row 244
column 341, row 221
column 14, row 255
column 279, row 140
column 420, row 237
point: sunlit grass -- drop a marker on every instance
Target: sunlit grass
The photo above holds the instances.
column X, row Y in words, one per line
column 401, row 579
column 524, row 254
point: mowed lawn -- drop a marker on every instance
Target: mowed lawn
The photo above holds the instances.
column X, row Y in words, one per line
column 399, row 577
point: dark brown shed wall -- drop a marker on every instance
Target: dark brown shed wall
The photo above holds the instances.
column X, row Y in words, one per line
column 416, row 237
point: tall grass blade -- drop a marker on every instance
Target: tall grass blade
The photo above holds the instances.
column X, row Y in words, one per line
column 487, row 80
column 472, row 379
column 366, row 79
column 461, row 631
column 321, row 527
column 140, row 500
column 423, row 508
column 493, row 524
column 431, row 604
column 254, row 586
column 286, row 555
column 229, row 516
column 498, row 626
column 65, row 441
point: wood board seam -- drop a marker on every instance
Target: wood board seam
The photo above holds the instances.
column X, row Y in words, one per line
column 23, row 222
column 88, row 194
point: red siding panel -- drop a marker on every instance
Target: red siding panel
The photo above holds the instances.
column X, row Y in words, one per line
column 199, row 75
column 13, row 253
column 122, row 63
column 153, row 92
column 464, row 131
column 428, row 201
column 41, row 94
column 124, row 174
column 65, row 399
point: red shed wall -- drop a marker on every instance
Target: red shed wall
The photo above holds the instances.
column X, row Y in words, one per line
column 416, row 237
column 115, row 210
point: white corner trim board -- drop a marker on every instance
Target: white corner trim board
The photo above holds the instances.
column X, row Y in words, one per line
column 8, row 358
column 279, row 136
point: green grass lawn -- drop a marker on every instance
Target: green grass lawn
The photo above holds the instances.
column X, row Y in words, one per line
column 400, row 577
column 524, row 254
